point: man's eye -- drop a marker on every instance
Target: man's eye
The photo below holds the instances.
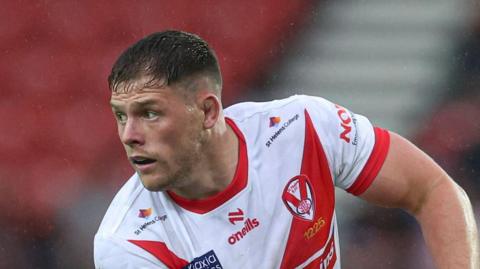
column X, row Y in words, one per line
column 151, row 115
column 121, row 117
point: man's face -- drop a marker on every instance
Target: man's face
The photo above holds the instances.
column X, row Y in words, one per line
column 161, row 131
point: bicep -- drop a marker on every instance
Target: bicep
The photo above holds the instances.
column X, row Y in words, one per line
column 406, row 177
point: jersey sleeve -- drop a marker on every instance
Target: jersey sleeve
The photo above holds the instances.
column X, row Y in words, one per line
column 112, row 253
column 354, row 148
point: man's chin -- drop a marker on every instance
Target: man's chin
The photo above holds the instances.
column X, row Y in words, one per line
column 153, row 188
column 152, row 184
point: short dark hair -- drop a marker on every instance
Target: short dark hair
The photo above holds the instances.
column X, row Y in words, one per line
column 164, row 58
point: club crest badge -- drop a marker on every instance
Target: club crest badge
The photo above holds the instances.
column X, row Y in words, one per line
column 298, row 197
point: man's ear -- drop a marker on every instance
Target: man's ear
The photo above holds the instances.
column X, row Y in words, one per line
column 211, row 107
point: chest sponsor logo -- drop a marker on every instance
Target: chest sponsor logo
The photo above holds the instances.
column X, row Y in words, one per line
column 145, row 213
column 207, row 261
column 346, row 124
column 298, row 197
column 280, row 130
column 248, row 225
column 274, row 121
column 150, row 219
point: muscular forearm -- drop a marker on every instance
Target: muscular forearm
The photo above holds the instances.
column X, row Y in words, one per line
column 411, row 180
column 449, row 228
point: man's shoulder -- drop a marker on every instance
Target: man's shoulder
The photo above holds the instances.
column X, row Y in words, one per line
column 120, row 204
column 280, row 121
column 246, row 110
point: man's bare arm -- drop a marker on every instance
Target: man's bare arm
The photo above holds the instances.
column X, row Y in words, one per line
column 411, row 180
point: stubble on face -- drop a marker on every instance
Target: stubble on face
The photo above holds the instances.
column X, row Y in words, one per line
column 186, row 158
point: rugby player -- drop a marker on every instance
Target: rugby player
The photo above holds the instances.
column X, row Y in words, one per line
column 252, row 185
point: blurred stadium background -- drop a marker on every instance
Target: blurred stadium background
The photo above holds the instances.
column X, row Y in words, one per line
column 410, row 66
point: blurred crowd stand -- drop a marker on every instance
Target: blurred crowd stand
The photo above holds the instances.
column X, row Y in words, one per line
column 62, row 162
column 452, row 135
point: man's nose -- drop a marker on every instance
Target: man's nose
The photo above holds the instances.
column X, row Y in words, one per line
column 132, row 134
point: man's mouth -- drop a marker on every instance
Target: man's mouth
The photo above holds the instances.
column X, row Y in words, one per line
column 140, row 160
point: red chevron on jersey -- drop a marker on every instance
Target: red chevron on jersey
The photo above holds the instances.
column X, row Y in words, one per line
column 315, row 166
column 161, row 252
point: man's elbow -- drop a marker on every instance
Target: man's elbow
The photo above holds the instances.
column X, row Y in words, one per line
column 443, row 199
column 440, row 190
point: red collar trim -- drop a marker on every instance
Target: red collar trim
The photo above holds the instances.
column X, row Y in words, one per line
column 238, row 183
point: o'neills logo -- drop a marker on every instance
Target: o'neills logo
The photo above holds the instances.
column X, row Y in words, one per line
column 250, row 224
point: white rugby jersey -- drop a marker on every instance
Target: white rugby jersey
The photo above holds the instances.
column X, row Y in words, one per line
column 278, row 211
